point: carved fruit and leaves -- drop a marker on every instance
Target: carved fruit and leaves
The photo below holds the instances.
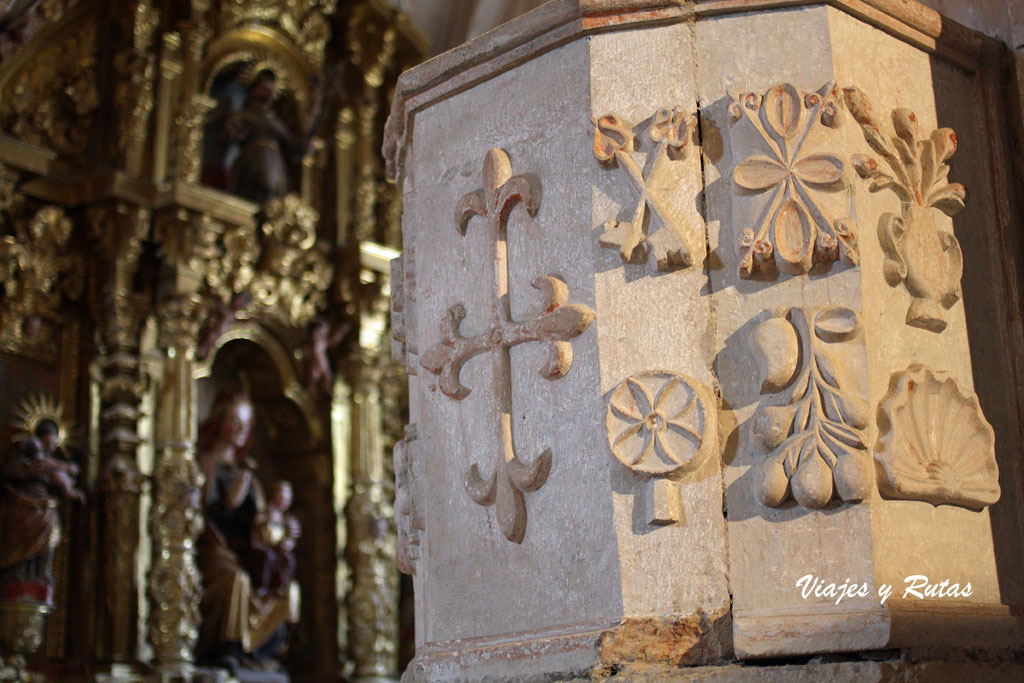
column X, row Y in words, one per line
column 934, row 443
column 810, row 427
column 675, row 243
column 794, row 230
column 926, row 258
column 559, row 323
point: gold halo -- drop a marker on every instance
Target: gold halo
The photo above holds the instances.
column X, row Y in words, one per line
column 251, row 70
column 34, row 410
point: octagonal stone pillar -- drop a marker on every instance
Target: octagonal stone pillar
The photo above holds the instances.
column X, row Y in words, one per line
column 681, row 306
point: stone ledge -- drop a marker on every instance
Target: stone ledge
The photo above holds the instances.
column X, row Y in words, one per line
column 595, row 650
column 901, row 625
column 561, row 21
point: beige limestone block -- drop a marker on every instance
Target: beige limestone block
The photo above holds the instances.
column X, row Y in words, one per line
column 620, row 115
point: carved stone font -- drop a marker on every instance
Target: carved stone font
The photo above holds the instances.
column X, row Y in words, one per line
column 934, row 443
column 560, row 322
column 795, row 229
column 810, row 423
column 674, row 243
column 925, row 257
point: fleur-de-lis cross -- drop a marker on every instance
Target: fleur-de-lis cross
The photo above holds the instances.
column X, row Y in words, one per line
column 511, row 476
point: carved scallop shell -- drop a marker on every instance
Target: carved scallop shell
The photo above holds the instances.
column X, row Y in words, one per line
column 935, row 445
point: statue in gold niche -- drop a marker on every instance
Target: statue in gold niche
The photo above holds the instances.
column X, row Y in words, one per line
column 249, row 149
column 34, row 477
column 245, row 553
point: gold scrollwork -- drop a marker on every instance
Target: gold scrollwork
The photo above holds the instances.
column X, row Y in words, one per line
column 34, row 270
column 51, row 101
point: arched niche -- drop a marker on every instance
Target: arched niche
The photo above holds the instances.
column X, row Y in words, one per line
column 288, row 443
column 247, row 147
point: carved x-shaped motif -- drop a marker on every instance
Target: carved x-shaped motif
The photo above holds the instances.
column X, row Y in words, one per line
column 675, row 244
column 559, row 323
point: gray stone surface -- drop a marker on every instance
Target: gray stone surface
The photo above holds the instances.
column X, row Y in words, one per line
column 617, row 564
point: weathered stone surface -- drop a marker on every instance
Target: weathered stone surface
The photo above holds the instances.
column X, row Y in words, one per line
column 684, row 179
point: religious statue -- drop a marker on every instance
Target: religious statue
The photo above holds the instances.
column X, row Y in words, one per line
column 320, row 340
column 274, row 535
column 34, row 477
column 246, row 551
column 248, row 150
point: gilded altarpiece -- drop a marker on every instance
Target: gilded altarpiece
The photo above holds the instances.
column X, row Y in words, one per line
column 195, row 228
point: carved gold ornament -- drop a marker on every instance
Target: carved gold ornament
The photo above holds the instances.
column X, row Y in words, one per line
column 810, row 426
column 560, row 322
column 795, row 230
column 34, row 271
column 935, row 445
column 305, row 21
column 924, row 257
column 52, row 100
column 293, row 272
column 674, row 243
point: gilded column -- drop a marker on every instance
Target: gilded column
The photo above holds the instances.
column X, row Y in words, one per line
column 133, row 95
column 176, row 521
column 192, row 104
column 119, row 228
column 373, row 599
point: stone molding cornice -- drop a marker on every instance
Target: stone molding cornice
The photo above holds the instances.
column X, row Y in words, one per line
column 562, row 21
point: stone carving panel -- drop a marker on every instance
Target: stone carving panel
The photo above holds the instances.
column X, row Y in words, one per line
column 655, row 225
column 560, row 322
column 661, row 425
column 809, row 425
column 656, row 423
column 934, row 443
column 918, row 253
column 409, row 517
column 796, row 227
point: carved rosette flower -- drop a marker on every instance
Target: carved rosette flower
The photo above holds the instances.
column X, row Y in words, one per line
column 795, row 230
column 918, row 253
column 811, row 430
column 935, row 445
column 657, row 422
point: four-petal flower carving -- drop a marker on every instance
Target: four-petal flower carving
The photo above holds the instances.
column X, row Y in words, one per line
column 656, row 423
column 794, row 231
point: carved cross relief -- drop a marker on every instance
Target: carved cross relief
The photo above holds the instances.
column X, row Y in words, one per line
column 511, row 476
